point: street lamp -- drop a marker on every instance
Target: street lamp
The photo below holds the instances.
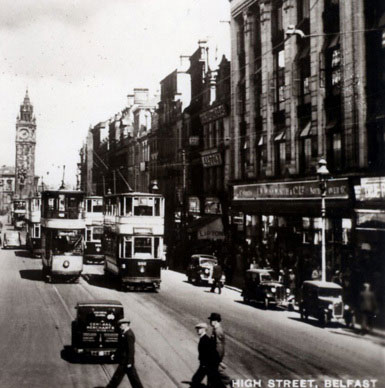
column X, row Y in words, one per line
column 323, row 172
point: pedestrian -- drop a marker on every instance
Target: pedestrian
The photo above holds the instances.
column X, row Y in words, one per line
column 126, row 357
column 208, row 359
column 218, row 337
column 368, row 307
column 217, row 276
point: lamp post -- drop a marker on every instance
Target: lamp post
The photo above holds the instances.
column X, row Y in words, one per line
column 323, row 172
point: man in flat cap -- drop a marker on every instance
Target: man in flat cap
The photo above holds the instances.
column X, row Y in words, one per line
column 125, row 354
column 208, row 359
column 218, row 337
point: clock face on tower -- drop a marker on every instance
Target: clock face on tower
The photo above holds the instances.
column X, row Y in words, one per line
column 23, row 134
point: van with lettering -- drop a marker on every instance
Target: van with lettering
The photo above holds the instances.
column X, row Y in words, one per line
column 95, row 330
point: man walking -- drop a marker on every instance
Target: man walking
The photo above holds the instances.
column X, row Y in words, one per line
column 217, row 276
column 218, row 337
column 208, row 359
column 126, row 357
column 368, row 306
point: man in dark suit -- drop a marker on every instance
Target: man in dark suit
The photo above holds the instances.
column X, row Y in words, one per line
column 126, row 357
column 217, row 276
column 208, row 359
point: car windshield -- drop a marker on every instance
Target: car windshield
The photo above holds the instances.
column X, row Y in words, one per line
column 329, row 292
column 12, row 235
column 266, row 277
column 208, row 261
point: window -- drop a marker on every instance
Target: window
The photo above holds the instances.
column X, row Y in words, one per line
column 89, row 205
column 37, row 231
column 157, row 206
column 157, row 254
column 88, row 235
column 337, row 150
column 143, row 245
column 97, row 233
column 143, row 206
column 125, row 247
column 128, row 201
column 279, row 76
column 97, row 205
column 303, row 9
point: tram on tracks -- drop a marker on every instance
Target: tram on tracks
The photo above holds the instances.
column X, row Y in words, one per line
column 32, row 218
column 93, row 208
column 133, row 239
column 18, row 211
column 62, row 234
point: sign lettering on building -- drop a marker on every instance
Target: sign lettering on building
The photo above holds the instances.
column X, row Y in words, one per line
column 213, row 114
column 370, row 189
column 212, row 159
column 336, row 189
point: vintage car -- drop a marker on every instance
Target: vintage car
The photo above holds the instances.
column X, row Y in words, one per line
column 200, row 269
column 11, row 239
column 261, row 287
column 321, row 300
column 95, row 330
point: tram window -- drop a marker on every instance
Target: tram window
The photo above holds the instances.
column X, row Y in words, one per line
column 143, row 245
column 37, row 231
column 97, row 206
column 143, row 206
column 62, row 205
column 156, row 247
column 121, row 205
column 51, row 203
column 88, row 235
column 89, row 205
column 128, row 247
column 157, row 206
column 97, row 233
column 128, row 206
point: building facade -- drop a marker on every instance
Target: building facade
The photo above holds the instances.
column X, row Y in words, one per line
column 307, row 83
column 7, row 188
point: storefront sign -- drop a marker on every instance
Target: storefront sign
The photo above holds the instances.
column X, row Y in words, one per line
column 336, row 189
column 370, row 189
column 212, row 159
column 213, row 114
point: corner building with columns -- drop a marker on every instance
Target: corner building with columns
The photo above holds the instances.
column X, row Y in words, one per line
column 308, row 83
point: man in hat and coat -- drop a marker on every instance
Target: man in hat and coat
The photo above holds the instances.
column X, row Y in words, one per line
column 126, row 357
column 208, row 359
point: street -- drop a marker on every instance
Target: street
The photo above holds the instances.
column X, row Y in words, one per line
column 36, row 322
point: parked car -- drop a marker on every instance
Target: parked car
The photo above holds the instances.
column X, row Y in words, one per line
column 95, row 330
column 11, row 239
column 261, row 287
column 321, row 300
column 200, row 269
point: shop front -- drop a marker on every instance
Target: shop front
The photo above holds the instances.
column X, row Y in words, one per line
column 282, row 225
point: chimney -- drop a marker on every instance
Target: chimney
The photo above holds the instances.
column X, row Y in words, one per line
column 140, row 95
column 130, row 100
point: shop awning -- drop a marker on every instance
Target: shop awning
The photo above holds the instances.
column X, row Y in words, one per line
column 306, row 131
column 280, row 136
column 207, row 228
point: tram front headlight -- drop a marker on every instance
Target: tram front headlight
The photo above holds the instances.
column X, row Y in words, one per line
column 123, row 266
column 66, row 264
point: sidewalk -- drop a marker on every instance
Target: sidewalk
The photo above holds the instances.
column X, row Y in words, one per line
column 376, row 331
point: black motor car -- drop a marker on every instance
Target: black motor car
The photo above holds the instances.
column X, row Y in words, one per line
column 200, row 269
column 322, row 300
column 261, row 286
column 95, row 330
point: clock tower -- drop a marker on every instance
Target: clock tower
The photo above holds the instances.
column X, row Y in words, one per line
column 25, row 150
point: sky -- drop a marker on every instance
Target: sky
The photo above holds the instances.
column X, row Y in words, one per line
column 80, row 58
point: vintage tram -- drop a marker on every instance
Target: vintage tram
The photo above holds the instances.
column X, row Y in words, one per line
column 32, row 218
column 93, row 208
column 62, row 231
column 18, row 211
column 133, row 239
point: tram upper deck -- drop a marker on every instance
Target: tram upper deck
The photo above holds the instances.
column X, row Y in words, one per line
column 62, row 209
column 93, row 210
column 131, row 213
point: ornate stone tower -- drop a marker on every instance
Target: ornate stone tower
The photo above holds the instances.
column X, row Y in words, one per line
column 25, row 150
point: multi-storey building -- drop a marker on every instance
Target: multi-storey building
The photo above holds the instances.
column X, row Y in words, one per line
column 7, row 188
column 308, row 83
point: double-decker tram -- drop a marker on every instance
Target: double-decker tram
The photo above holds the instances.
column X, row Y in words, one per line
column 32, row 218
column 18, row 213
column 93, row 208
column 133, row 239
column 62, row 232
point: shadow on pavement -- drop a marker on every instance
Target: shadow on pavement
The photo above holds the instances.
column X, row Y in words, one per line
column 24, row 254
column 31, row 274
column 102, row 281
column 67, row 354
column 259, row 306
